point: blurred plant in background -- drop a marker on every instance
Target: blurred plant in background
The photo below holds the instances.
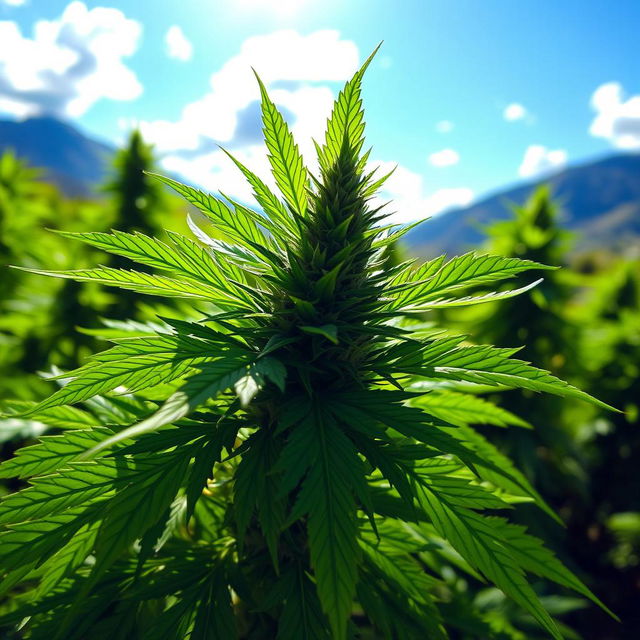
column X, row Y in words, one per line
column 58, row 324
column 36, row 322
column 536, row 322
column 605, row 534
column 139, row 202
column 39, row 321
column 581, row 323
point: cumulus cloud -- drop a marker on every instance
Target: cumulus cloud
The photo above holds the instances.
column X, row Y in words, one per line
column 617, row 119
column 177, row 45
column 513, row 112
column 214, row 171
column 298, row 71
column 444, row 126
column 69, row 63
column 410, row 201
column 444, row 158
column 539, row 160
column 13, row 3
column 296, row 68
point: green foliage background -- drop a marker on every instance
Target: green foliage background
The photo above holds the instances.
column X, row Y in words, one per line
column 263, row 521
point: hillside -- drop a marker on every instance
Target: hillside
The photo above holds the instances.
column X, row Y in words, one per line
column 73, row 161
column 600, row 201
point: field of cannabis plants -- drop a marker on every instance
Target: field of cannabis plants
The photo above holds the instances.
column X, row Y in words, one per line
column 299, row 434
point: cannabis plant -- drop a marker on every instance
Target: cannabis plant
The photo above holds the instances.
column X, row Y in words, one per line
column 607, row 529
column 136, row 196
column 290, row 465
column 138, row 202
column 37, row 316
column 538, row 322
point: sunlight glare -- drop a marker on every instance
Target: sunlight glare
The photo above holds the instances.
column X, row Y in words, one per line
column 279, row 7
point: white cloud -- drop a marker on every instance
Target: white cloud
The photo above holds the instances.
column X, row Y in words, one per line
column 444, row 126
column 298, row 71
column 409, row 201
column 177, row 45
column 295, row 68
column 616, row 120
column 14, row 3
column 539, row 160
column 15, row 108
column 444, row 158
column 513, row 112
column 443, row 199
column 69, row 63
column 214, row 171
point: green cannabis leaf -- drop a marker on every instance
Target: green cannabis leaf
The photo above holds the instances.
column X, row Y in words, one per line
column 278, row 468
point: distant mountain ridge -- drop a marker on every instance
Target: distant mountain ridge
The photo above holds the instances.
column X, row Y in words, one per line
column 71, row 160
column 600, row 201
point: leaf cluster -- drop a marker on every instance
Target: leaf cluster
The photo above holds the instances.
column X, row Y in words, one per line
column 291, row 464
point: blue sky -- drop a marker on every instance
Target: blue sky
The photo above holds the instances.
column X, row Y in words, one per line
column 525, row 86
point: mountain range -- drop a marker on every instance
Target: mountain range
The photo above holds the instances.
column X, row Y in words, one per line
column 600, row 200
column 70, row 159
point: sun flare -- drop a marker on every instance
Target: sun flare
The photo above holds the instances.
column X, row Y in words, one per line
column 279, row 7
